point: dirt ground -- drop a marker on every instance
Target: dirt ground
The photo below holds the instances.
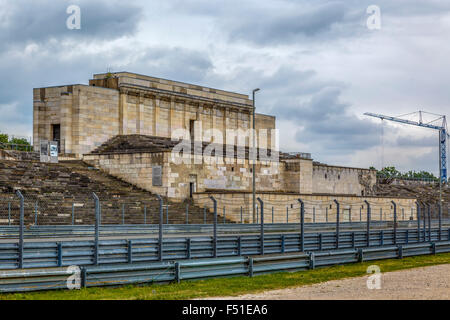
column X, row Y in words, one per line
column 429, row 283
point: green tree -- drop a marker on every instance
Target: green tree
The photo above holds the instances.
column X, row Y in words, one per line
column 3, row 138
column 20, row 144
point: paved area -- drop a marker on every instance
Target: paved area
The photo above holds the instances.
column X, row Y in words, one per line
column 429, row 283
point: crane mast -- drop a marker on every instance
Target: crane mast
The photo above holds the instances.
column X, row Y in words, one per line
column 443, row 135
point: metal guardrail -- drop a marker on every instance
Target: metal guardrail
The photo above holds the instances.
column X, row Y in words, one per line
column 56, row 231
column 163, row 272
column 101, row 252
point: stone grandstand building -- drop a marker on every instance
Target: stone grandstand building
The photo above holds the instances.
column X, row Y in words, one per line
column 123, row 123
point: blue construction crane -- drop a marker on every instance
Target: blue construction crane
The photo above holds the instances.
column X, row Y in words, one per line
column 443, row 133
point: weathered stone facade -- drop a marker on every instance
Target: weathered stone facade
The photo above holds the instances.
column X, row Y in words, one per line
column 126, row 103
column 124, row 124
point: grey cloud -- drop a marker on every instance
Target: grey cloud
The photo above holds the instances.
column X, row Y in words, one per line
column 40, row 21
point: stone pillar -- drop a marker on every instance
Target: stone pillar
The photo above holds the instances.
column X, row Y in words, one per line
column 66, row 123
column 123, row 113
column 156, row 115
column 171, row 126
column 139, row 114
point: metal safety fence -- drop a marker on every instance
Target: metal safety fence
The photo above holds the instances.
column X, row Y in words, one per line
column 76, row 277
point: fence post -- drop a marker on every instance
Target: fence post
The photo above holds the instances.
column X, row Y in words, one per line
column 167, row 213
column 337, row 223
column 9, row 213
column 440, row 221
column 73, row 213
column 224, row 215
column 187, row 213
column 21, row 235
column 287, row 214
column 242, row 221
column 314, row 214
column 145, row 214
column 418, row 221
column 302, row 225
column 215, row 227
column 35, row 213
column 262, row 226
column 368, row 223
column 160, row 228
column 395, row 222
column 272, row 215
column 204, row 215
column 97, row 218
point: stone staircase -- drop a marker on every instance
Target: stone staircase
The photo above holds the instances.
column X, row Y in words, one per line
column 52, row 190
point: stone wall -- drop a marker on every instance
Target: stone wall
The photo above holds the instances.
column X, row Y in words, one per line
column 88, row 116
column 318, row 208
column 342, row 180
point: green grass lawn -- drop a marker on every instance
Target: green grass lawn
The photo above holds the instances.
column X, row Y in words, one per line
column 232, row 286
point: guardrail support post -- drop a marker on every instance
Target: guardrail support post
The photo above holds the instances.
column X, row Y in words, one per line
column 337, row 223
column 302, row 225
column 160, row 228
column 177, row 272
column 188, row 248
column 83, row 277
column 60, row 254
column 400, row 252
column 239, row 246
column 283, row 243
column 360, row 255
column 130, row 251
column 261, row 237
column 368, row 223
column 433, row 248
column 407, row 236
column 312, row 262
column 395, row 221
column 353, row 240
column 381, row 237
column 97, row 231
column 21, row 228
column 215, row 227
column 320, row 241
column 250, row 267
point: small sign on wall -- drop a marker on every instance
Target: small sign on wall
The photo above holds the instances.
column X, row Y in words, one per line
column 157, row 176
column 43, row 151
column 48, row 151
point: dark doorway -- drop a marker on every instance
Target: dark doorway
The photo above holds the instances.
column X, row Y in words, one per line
column 191, row 189
column 56, row 134
column 192, row 129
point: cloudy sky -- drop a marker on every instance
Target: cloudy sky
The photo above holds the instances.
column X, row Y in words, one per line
column 317, row 63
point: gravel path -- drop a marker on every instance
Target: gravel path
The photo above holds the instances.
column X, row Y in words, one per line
column 429, row 283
